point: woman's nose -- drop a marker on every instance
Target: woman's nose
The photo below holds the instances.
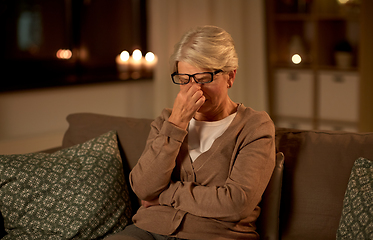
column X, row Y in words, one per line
column 195, row 84
column 192, row 80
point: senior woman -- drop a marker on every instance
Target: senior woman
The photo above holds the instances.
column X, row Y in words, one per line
column 207, row 160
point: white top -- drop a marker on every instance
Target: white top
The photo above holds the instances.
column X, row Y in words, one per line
column 203, row 134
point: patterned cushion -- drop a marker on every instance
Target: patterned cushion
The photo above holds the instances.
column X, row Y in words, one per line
column 75, row 193
column 357, row 214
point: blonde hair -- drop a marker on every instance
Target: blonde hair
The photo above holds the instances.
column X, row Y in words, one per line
column 206, row 47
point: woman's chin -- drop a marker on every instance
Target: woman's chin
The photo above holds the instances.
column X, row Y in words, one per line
column 204, row 108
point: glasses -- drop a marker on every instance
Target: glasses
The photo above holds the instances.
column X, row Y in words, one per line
column 201, row 78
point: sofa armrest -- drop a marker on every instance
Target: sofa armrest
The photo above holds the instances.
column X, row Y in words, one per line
column 268, row 222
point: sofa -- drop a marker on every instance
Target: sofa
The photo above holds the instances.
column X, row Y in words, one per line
column 320, row 189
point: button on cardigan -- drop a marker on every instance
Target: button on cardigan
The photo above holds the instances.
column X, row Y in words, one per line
column 217, row 195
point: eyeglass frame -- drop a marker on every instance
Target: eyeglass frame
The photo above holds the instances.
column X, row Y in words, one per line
column 193, row 76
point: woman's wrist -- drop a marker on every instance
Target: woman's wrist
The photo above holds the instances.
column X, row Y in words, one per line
column 178, row 122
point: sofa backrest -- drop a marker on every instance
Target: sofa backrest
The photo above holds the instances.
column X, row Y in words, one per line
column 316, row 169
column 132, row 132
column 316, row 172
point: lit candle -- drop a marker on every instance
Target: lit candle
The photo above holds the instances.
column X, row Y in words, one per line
column 123, row 64
column 64, row 54
column 150, row 61
column 136, row 60
column 122, row 61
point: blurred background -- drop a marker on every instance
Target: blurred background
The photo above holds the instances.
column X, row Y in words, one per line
column 308, row 63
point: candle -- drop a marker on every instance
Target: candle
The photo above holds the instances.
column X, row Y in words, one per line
column 123, row 64
column 150, row 61
column 136, row 60
column 122, row 61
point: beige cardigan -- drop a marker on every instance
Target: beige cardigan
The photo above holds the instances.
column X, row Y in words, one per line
column 215, row 197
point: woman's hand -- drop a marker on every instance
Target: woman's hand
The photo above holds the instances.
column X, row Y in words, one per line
column 147, row 204
column 189, row 99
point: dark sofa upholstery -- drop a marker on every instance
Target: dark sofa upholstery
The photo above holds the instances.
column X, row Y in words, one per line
column 316, row 172
column 308, row 189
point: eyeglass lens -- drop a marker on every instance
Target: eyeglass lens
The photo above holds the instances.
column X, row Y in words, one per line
column 198, row 77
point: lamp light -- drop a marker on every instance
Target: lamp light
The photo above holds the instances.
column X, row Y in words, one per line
column 296, row 50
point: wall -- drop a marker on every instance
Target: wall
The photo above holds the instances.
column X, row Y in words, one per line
column 34, row 120
column 366, row 70
column 243, row 19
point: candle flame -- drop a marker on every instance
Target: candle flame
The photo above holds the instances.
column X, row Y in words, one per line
column 64, row 54
column 124, row 56
column 137, row 55
column 149, row 57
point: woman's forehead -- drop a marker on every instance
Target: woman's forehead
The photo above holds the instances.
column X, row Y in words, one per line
column 184, row 67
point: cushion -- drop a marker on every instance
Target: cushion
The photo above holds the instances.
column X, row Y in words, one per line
column 132, row 135
column 75, row 193
column 357, row 214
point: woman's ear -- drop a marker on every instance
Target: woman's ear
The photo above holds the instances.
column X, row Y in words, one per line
column 232, row 76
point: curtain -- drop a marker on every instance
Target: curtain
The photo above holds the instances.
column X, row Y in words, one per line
column 243, row 19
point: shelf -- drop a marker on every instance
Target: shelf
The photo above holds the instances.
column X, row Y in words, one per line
column 315, row 17
column 333, row 17
column 316, row 33
column 290, row 66
column 292, row 17
column 314, row 68
column 335, row 68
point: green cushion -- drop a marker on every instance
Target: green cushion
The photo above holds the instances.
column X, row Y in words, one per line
column 75, row 193
column 357, row 215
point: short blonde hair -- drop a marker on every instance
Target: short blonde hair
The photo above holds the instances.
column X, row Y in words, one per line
column 206, row 47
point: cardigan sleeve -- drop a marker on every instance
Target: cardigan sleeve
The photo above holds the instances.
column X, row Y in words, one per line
column 152, row 173
column 249, row 175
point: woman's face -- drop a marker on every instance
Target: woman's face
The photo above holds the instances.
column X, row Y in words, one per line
column 215, row 92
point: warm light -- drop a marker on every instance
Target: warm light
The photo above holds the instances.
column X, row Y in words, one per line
column 64, row 54
column 137, row 55
column 135, row 66
column 149, row 57
column 296, row 59
column 124, row 56
column 343, row 1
